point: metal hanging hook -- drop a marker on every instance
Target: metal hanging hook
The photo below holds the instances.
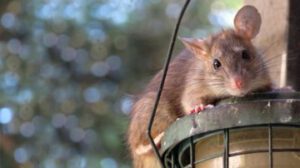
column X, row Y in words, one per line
column 165, row 70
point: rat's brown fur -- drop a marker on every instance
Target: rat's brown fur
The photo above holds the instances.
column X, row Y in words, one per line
column 169, row 108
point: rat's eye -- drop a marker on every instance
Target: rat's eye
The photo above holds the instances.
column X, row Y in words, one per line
column 245, row 55
column 217, row 64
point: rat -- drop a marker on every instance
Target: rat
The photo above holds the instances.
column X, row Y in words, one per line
column 224, row 64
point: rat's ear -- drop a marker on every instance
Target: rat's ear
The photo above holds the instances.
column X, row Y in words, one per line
column 197, row 46
column 247, row 22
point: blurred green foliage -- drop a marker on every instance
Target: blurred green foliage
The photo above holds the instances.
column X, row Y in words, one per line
column 69, row 68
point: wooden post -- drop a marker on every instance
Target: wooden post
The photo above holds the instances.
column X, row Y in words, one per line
column 293, row 63
column 272, row 36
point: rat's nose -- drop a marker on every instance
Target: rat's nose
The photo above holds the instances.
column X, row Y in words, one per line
column 237, row 83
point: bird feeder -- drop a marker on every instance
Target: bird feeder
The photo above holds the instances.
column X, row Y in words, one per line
column 261, row 130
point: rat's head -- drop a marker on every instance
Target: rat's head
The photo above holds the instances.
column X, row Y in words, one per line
column 232, row 64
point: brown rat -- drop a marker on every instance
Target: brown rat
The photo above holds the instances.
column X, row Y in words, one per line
column 225, row 64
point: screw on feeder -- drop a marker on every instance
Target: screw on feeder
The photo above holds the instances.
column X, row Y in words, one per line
column 165, row 70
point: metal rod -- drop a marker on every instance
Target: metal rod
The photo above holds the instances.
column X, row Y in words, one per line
column 287, row 150
column 226, row 149
column 270, row 146
column 173, row 161
column 249, row 152
column 209, row 158
column 192, row 152
column 165, row 70
column 264, row 151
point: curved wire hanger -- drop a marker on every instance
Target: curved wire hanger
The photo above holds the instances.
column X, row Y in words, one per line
column 165, row 70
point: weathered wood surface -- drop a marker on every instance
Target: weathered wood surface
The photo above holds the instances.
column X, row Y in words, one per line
column 273, row 35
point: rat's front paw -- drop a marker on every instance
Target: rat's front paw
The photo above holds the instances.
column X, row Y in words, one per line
column 201, row 107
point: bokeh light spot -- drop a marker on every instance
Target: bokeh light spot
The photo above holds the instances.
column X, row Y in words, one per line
column 24, row 96
column 100, row 69
column 27, row 129
column 6, row 115
column 10, row 79
column 72, row 122
column 77, row 134
column 50, row 39
column 14, row 46
column 108, row 163
column 8, row 20
column 92, row 95
column 173, row 10
column 21, row 155
column 91, row 137
column 114, row 62
column 58, row 120
column 126, row 104
column 96, row 34
column 68, row 54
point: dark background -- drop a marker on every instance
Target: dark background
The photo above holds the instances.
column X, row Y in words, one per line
column 69, row 70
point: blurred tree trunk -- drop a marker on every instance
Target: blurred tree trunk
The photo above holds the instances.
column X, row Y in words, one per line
column 272, row 39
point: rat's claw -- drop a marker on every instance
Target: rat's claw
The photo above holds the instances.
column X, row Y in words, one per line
column 209, row 106
column 200, row 108
column 197, row 109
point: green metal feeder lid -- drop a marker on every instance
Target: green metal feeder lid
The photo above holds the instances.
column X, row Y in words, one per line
column 255, row 109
